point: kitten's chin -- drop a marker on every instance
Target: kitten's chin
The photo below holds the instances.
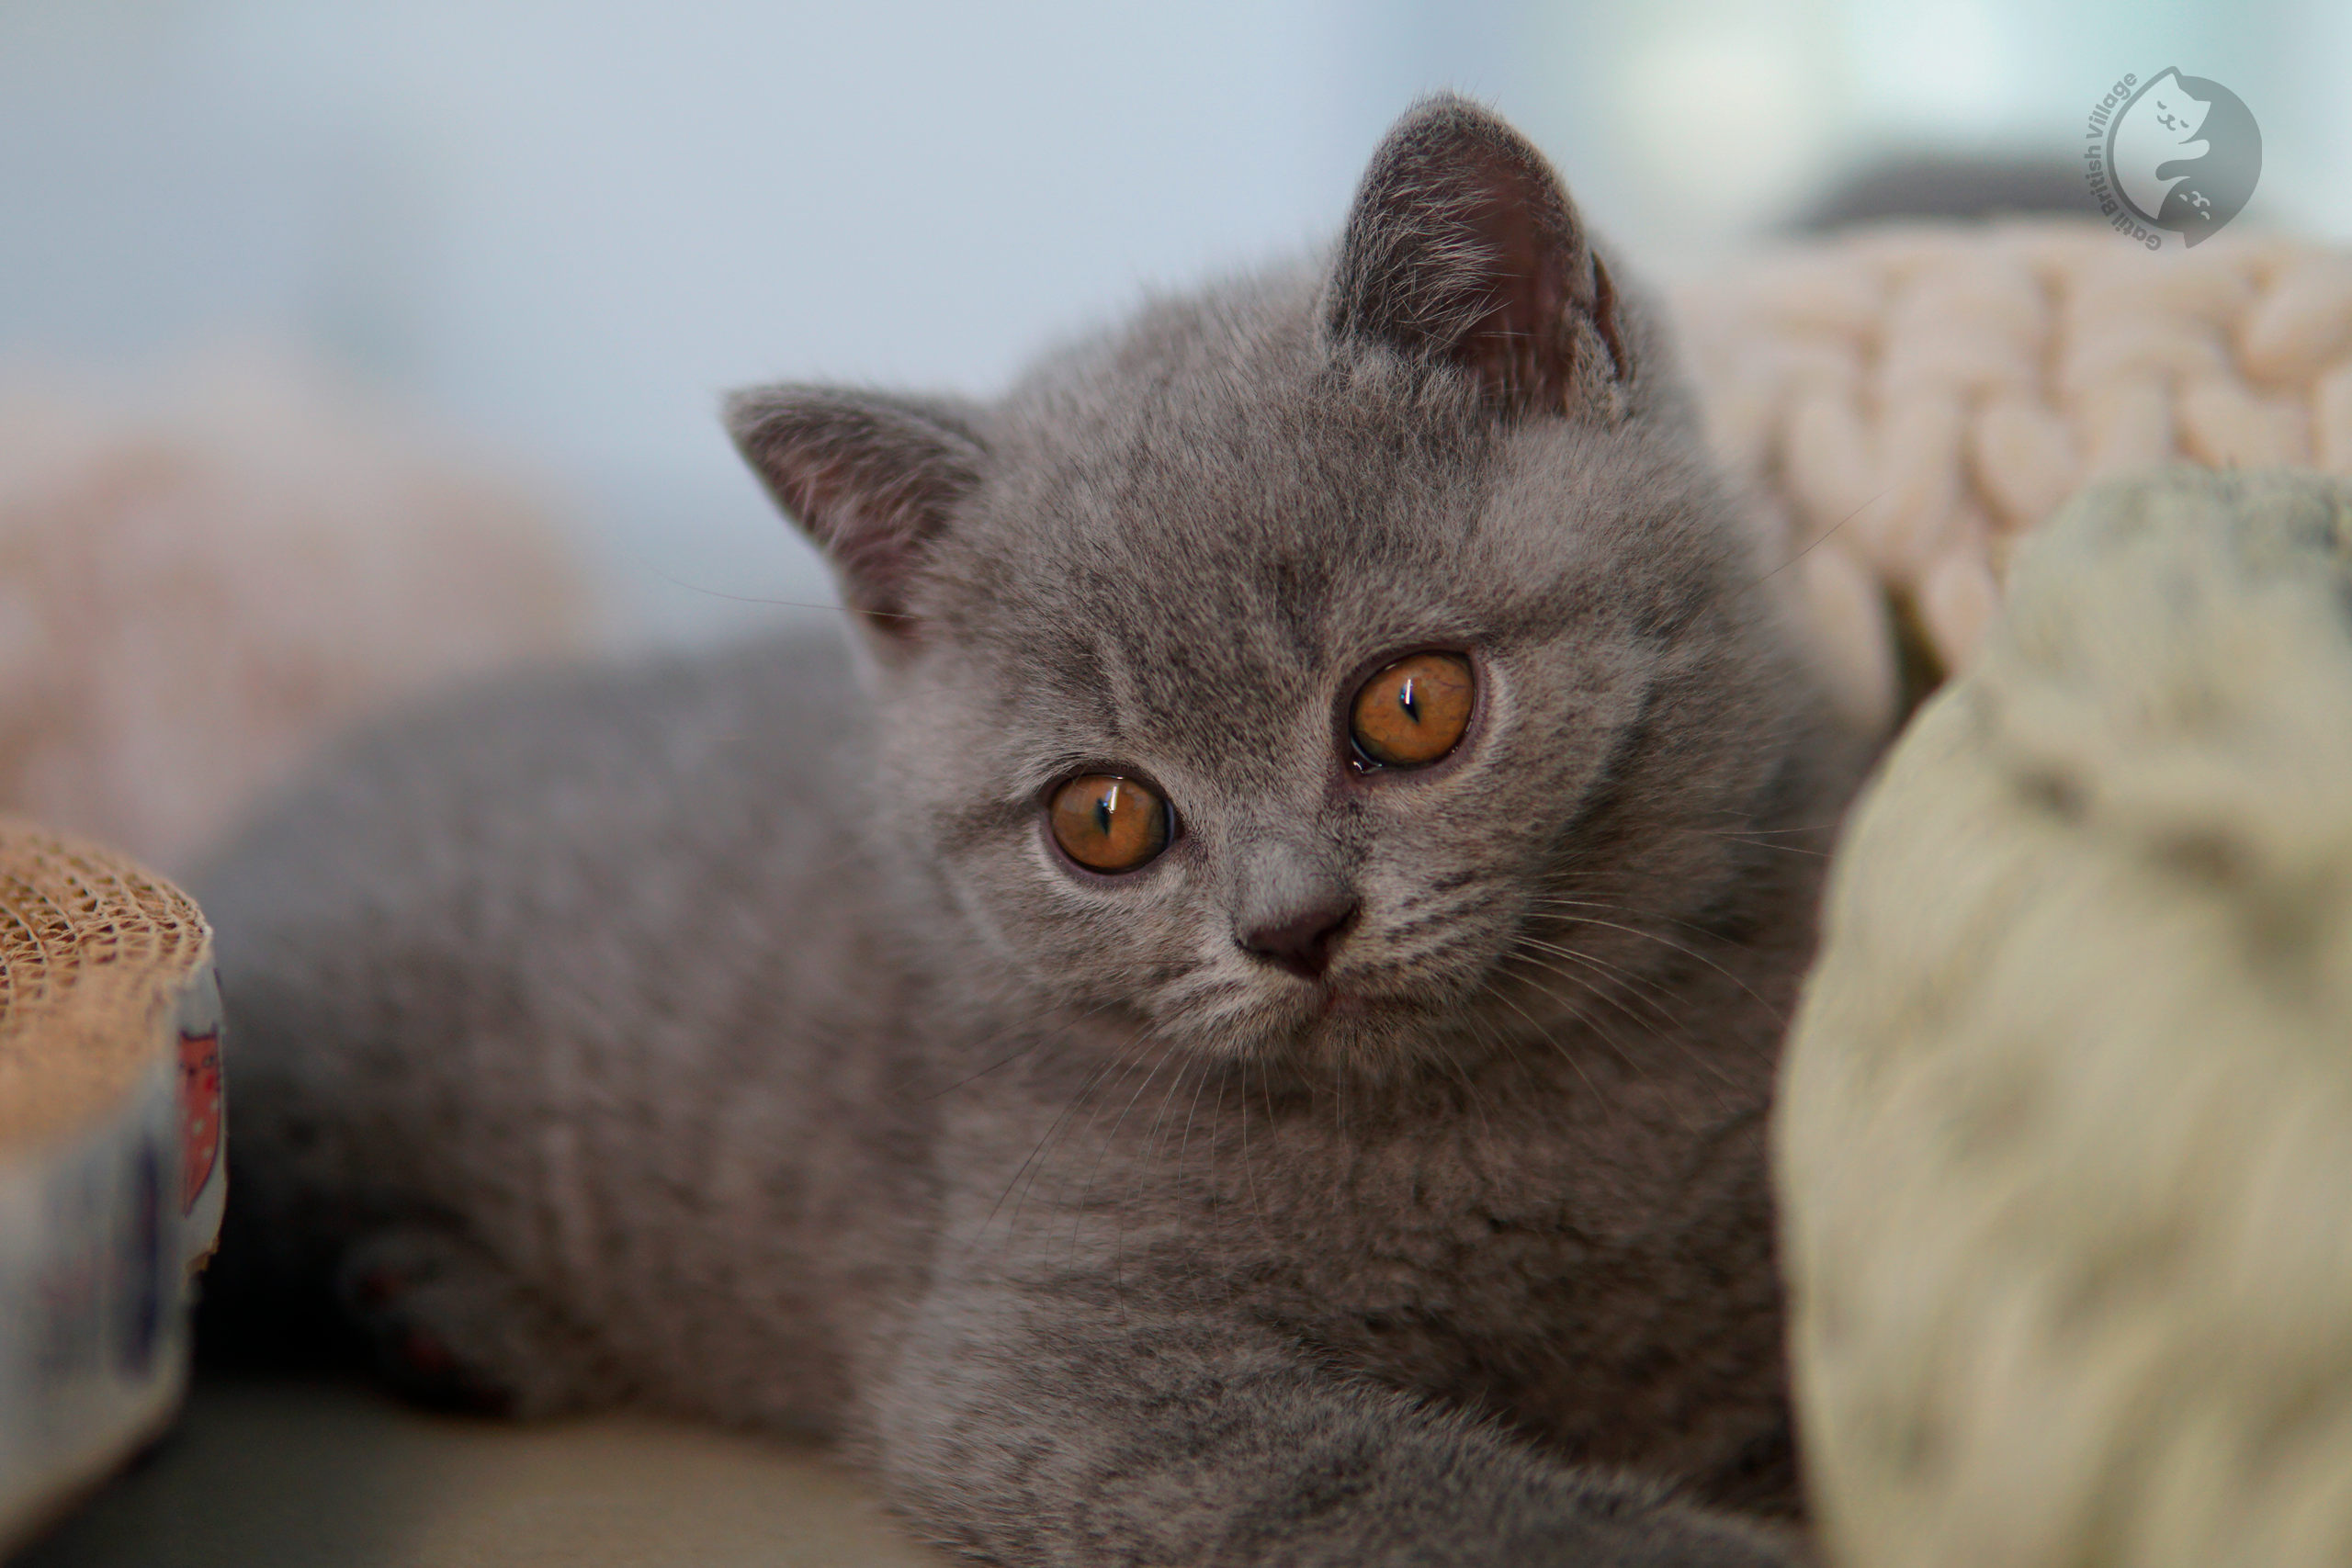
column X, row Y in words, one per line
column 1355, row 1034
column 1333, row 1028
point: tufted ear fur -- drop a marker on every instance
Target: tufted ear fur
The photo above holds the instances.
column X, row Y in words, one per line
column 1463, row 247
column 873, row 479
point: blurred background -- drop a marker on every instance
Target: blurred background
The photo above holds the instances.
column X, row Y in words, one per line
column 561, row 229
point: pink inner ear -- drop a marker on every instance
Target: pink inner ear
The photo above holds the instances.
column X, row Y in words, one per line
column 1543, row 281
column 1518, row 344
column 853, row 517
column 1463, row 246
column 873, row 479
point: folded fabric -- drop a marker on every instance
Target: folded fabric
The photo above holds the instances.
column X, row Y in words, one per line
column 2066, row 1137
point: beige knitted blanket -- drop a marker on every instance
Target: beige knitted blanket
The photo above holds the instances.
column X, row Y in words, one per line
column 1909, row 403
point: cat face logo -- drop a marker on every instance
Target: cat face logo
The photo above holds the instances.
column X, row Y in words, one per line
column 2184, row 153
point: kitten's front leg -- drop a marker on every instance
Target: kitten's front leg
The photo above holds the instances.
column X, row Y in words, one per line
column 1057, row 1421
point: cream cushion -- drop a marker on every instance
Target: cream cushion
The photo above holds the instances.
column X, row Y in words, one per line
column 2065, row 1135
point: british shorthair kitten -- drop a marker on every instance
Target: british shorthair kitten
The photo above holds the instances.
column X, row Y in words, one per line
column 1230, row 1023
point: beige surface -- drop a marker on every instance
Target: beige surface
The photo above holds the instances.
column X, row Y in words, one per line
column 296, row 1475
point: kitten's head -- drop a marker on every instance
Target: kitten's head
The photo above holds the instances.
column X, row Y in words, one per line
column 1304, row 666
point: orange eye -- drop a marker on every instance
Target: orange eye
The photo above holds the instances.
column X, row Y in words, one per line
column 1415, row 711
column 1107, row 823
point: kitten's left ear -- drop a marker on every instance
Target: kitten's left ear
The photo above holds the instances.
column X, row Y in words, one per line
column 872, row 480
column 1463, row 247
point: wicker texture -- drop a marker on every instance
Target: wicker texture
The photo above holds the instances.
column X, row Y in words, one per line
column 92, row 949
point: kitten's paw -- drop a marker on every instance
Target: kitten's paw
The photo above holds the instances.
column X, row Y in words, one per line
column 451, row 1327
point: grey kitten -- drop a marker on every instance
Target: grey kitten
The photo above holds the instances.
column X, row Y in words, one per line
column 1233, row 1026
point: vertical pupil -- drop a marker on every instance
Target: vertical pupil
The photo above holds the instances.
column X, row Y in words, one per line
column 1410, row 703
column 1104, row 805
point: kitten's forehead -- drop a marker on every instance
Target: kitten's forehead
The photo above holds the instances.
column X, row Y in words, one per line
column 1212, row 494
column 1195, row 531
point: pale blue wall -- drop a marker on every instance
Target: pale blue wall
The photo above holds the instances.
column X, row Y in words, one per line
column 564, row 227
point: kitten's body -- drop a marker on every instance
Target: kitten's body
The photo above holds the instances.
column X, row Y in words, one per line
column 732, row 1036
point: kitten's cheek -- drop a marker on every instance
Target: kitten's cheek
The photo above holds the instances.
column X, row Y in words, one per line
column 992, row 898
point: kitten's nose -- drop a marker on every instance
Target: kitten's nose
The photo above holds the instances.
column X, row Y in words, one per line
column 1300, row 938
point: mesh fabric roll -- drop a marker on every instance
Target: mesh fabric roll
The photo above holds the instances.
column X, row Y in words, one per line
column 111, row 1177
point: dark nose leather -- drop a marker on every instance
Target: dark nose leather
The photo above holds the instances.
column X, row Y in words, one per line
column 1300, row 940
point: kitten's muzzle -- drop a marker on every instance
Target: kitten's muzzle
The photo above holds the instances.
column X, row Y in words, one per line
column 1301, row 939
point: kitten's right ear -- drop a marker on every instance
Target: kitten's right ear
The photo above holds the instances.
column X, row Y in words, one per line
column 872, row 480
column 1464, row 248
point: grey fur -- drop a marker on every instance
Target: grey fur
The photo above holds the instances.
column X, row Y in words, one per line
column 729, row 1035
